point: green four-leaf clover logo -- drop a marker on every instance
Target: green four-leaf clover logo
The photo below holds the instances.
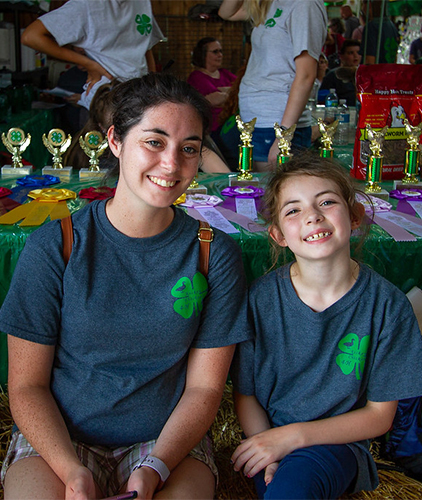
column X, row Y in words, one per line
column 16, row 136
column 56, row 137
column 144, row 24
column 190, row 295
column 93, row 139
column 271, row 22
column 354, row 356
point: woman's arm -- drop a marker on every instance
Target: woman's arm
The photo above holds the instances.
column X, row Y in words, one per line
column 205, row 379
column 36, row 414
column 39, row 38
column 272, row 445
column 306, row 69
column 233, row 10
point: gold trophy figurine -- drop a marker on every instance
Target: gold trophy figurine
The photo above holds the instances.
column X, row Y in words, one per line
column 93, row 145
column 246, row 148
column 327, row 132
column 284, row 137
column 57, row 144
column 16, row 143
column 411, row 163
column 375, row 160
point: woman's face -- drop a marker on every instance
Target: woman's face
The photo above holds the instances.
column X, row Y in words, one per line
column 159, row 156
column 214, row 56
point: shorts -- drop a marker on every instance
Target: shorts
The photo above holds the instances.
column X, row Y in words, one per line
column 110, row 467
column 263, row 138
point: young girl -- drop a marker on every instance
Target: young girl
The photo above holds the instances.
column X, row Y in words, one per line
column 335, row 346
column 117, row 361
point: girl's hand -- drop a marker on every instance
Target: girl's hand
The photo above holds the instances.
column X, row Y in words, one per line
column 259, row 451
column 145, row 481
column 95, row 73
column 80, row 485
column 270, row 470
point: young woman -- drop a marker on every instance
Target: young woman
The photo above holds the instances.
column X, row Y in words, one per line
column 117, row 361
column 335, row 346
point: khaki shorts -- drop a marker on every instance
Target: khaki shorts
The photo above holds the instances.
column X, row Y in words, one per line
column 110, row 467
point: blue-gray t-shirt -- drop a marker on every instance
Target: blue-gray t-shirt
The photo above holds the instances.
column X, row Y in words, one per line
column 123, row 315
column 305, row 365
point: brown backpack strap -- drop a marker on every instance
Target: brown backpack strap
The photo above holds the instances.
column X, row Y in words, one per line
column 205, row 236
column 67, row 233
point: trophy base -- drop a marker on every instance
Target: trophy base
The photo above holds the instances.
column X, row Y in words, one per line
column 235, row 181
column 383, row 194
column 9, row 171
column 86, row 174
column 407, row 185
column 197, row 190
column 64, row 172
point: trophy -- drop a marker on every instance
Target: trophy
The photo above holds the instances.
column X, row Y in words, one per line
column 195, row 188
column 93, row 145
column 57, row 144
column 375, row 161
column 16, row 143
column 245, row 177
column 412, row 158
column 327, row 132
column 284, row 137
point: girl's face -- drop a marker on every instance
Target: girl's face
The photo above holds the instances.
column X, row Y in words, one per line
column 214, row 56
column 313, row 218
column 159, row 156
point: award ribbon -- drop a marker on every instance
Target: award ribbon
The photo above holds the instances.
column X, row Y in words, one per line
column 47, row 202
column 29, row 182
column 99, row 193
column 6, row 204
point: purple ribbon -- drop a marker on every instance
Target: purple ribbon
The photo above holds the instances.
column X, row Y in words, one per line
column 243, row 192
column 406, row 194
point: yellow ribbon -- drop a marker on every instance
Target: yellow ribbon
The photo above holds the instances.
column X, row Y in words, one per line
column 181, row 199
column 47, row 202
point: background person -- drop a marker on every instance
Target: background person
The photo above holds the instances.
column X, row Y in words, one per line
column 351, row 22
column 286, row 43
column 209, row 78
column 123, row 353
column 342, row 79
column 115, row 36
column 333, row 42
column 415, row 52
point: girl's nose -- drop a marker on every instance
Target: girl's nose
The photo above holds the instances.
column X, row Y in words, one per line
column 314, row 216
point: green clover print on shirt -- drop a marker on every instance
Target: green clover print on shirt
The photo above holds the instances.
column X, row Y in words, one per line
column 190, row 295
column 354, row 354
column 144, row 24
column 270, row 23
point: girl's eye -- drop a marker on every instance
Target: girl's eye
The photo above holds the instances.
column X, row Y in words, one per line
column 291, row 212
column 328, row 202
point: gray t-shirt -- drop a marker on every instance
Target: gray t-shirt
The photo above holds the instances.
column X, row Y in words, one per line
column 115, row 33
column 305, row 365
column 123, row 315
column 290, row 29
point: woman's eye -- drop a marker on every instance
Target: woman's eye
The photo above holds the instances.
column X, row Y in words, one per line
column 190, row 150
column 153, row 143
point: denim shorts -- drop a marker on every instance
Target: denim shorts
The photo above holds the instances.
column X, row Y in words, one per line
column 263, row 138
column 110, row 467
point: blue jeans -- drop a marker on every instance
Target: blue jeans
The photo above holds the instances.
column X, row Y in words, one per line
column 322, row 472
column 263, row 138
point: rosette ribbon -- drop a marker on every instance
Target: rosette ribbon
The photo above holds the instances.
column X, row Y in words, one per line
column 6, row 204
column 47, row 202
column 99, row 193
column 30, row 182
column 243, row 192
column 405, row 195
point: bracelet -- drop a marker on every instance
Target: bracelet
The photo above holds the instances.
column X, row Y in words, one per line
column 158, row 465
column 283, row 128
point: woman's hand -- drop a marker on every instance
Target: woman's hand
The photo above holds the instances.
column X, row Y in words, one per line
column 145, row 481
column 80, row 485
column 263, row 449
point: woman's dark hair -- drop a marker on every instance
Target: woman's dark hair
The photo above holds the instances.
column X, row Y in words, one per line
column 131, row 99
column 311, row 164
column 199, row 53
column 337, row 25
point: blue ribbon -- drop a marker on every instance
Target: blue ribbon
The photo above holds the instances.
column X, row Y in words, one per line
column 30, row 182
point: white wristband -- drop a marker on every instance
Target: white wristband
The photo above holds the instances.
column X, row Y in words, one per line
column 158, row 465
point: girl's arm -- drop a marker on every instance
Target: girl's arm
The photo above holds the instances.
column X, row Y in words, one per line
column 233, row 10
column 306, row 70
column 37, row 36
column 272, row 445
column 205, row 379
column 35, row 412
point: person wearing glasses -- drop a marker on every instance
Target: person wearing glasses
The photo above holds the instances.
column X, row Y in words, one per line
column 209, row 78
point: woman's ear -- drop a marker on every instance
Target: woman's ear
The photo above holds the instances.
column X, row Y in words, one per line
column 357, row 215
column 277, row 235
column 113, row 143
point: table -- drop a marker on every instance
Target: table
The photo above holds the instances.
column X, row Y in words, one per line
column 396, row 261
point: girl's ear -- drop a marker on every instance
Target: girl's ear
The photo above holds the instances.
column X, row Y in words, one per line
column 357, row 215
column 113, row 143
column 277, row 235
